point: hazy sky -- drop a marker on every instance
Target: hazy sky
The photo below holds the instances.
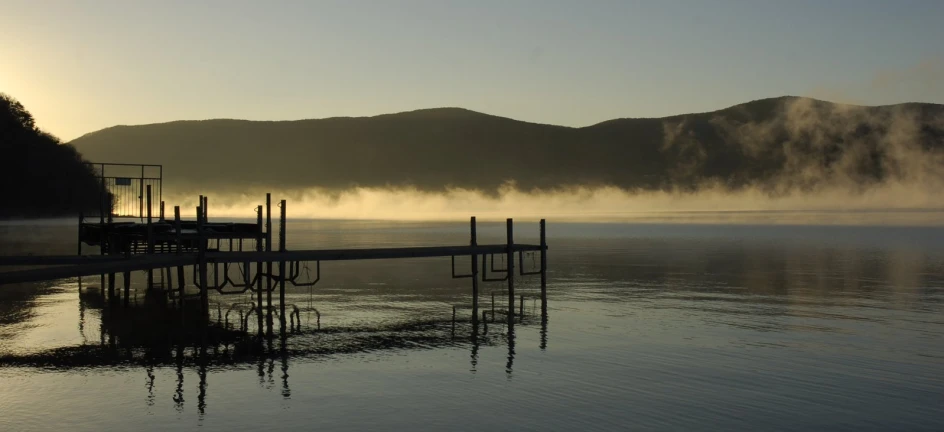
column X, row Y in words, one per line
column 82, row 66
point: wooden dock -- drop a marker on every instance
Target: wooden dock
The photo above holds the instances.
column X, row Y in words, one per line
column 68, row 266
column 164, row 248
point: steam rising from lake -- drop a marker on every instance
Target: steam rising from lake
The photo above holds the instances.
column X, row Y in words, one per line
column 840, row 164
column 895, row 203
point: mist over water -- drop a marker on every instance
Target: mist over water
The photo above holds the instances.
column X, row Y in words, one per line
column 788, row 155
column 782, row 153
column 890, row 203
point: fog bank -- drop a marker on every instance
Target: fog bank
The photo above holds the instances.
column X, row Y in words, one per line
column 827, row 205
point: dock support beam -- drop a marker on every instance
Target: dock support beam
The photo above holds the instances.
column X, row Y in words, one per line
column 520, row 307
column 150, row 237
column 127, row 281
column 282, row 266
column 180, row 269
column 259, row 279
column 475, row 275
column 510, row 227
column 204, row 292
column 127, row 274
column 111, row 287
column 543, row 268
column 111, row 276
column 101, row 221
column 79, row 235
column 269, row 263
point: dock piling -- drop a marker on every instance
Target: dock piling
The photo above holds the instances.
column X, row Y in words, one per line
column 543, row 267
column 269, row 263
column 127, row 283
column 79, row 234
column 475, row 276
column 282, row 265
column 510, row 227
column 180, row 269
column 150, row 236
column 201, row 244
column 111, row 276
column 260, row 280
column 111, row 287
column 493, row 306
column 521, row 307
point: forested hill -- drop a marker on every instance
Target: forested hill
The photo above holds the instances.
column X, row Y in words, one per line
column 40, row 176
column 779, row 144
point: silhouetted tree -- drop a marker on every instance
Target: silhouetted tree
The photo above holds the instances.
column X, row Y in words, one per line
column 40, row 175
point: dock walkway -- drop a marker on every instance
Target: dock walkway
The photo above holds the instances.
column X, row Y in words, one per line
column 161, row 246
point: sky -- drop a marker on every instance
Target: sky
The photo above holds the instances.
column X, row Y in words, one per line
column 80, row 66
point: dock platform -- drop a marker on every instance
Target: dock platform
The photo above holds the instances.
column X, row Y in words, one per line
column 165, row 247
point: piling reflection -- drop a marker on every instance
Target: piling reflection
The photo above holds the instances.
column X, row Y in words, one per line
column 154, row 334
column 509, row 366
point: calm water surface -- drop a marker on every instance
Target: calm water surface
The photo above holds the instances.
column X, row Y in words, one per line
column 656, row 327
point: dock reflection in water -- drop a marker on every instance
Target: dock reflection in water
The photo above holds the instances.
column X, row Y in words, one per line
column 151, row 333
column 655, row 327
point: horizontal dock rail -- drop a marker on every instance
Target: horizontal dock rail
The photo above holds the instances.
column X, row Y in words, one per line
column 67, row 266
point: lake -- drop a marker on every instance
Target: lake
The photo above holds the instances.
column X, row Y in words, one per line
column 672, row 326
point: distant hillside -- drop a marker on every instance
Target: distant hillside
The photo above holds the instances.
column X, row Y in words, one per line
column 778, row 144
column 39, row 175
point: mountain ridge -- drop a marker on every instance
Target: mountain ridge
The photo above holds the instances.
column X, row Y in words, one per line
column 778, row 144
column 470, row 111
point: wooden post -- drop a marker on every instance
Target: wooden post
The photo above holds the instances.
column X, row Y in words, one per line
column 79, row 245
column 260, row 279
column 150, row 236
column 101, row 205
column 181, row 279
column 127, row 274
column 162, row 212
column 79, row 234
column 521, row 306
column 127, row 280
column 510, row 227
column 204, row 293
column 111, row 250
column 169, row 277
column 493, row 305
column 282, row 240
column 111, row 286
column 79, row 237
column 102, row 244
column 206, row 206
column 111, row 276
column 177, row 229
column 141, row 194
column 269, row 263
column 475, row 276
column 543, row 268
